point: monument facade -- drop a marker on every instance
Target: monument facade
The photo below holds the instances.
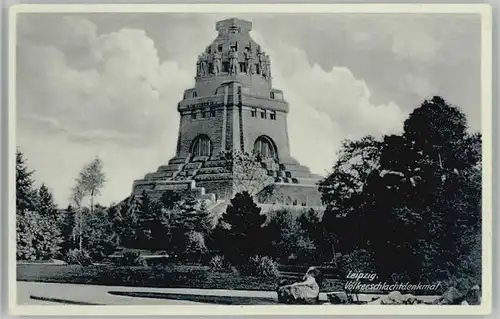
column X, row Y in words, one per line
column 233, row 106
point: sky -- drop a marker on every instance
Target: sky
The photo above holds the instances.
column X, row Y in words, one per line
column 108, row 84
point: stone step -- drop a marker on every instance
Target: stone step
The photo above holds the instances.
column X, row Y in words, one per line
column 179, row 160
column 193, row 165
column 212, row 170
column 211, row 177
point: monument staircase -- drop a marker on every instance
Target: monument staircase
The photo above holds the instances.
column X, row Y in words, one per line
column 186, row 173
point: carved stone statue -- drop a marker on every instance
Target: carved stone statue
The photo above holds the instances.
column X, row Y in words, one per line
column 268, row 67
column 203, row 64
column 251, row 64
column 261, row 62
column 233, row 61
column 264, row 65
column 217, row 60
column 198, row 68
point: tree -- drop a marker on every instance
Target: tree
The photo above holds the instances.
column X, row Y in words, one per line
column 98, row 234
column 26, row 196
column 46, row 203
column 37, row 232
column 343, row 193
column 38, row 238
column 243, row 238
column 194, row 215
column 247, row 170
column 413, row 197
column 76, row 198
column 67, row 225
column 116, row 220
column 169, row 199
column 91, row 180
column 130, row 212
column 283, row 233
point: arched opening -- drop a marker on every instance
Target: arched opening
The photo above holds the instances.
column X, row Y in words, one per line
column 201, row 146
column 265, row 147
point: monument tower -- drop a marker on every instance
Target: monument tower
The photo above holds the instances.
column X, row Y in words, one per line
column 233, row 106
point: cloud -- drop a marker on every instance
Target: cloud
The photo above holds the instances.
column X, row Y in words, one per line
column 325, row 106
column 127, row 96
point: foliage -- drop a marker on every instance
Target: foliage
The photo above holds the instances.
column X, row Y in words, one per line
column 260, row 266
column 247, row 171
column 98, row 235
column 89, row 183
column 343, row 193
column 413, row 197
column 26, row 195
column 46, row 205
column 243, row 238
column 37, row 233
column 218, row 264
column 67, row 224
column 195, row 244
column 38, row 238
column 294, row 239
column 172, row 276
column 169, row 199
column 78, row 257
column 359, row 261
column 131, row 258
column 91, row 179
column 126, row 221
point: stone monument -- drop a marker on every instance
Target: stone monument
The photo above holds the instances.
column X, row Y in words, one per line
column 233, row 106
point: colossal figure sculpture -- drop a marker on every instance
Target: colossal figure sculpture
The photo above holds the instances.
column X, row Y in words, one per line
column 217, row 63
column 232, row 110
column 203, row 64
column 233, row 61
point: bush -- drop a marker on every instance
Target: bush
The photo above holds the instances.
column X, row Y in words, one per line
column 78, row 257
column 357, row 261
column 219, row 264
column 132, row 258
column 260, row 266
column 195, row 245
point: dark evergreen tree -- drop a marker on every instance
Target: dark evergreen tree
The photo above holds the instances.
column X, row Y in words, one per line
column 38, row 236
column 67, row 224
column 46, row 205
column 26, row 195
column 98, row 235
column 169, row 199
column 116, row 219
column 130, row 212
column 244, row 237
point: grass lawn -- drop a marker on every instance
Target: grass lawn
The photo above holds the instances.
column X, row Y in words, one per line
column 171, row 276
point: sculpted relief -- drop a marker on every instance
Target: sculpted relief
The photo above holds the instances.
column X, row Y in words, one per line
column 233, row 61
column 255, row 62
column 217, row 63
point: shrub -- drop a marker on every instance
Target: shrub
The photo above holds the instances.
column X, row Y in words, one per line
column 132, row 258
column 195, row 245
column 260, row 266
column 78, row 257
column 358, row 261
column 218, row 263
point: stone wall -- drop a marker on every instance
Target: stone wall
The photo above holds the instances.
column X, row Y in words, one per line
column 291, row 194
column 253, row 127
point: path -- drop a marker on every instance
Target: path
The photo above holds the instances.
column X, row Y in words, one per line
column 57, row 293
